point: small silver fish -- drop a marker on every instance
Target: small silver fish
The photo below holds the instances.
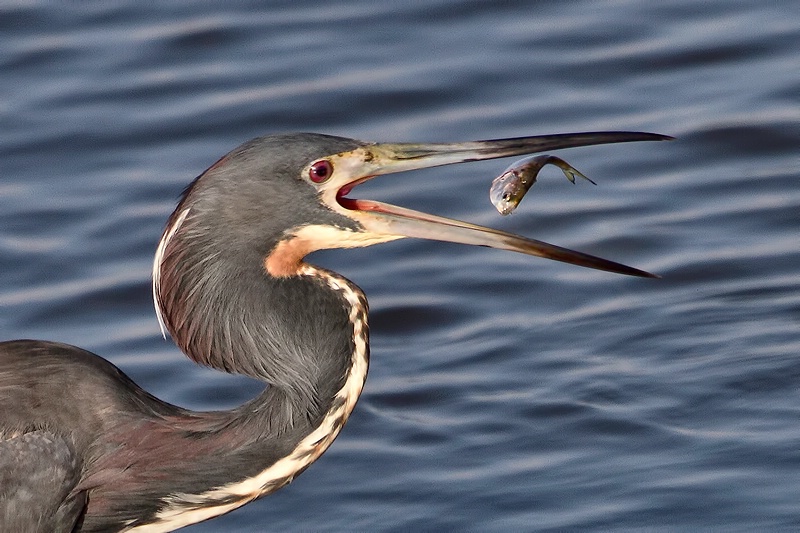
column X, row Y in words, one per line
column 510, row 187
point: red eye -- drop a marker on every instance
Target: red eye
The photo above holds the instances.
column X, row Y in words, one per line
column 320, row 171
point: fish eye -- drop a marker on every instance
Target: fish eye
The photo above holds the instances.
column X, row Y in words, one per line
column 320, row 171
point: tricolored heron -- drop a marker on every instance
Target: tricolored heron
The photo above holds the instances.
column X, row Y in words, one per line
column 83, row 448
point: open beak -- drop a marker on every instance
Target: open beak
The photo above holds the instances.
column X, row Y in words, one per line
column 387, row 222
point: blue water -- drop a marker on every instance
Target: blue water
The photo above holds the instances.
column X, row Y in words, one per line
column 506, row 392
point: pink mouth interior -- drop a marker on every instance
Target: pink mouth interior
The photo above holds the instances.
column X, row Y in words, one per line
column 355, row 204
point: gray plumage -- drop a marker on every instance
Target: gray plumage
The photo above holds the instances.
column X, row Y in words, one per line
column 38, row 470
column 128, row 450
column 83, row 448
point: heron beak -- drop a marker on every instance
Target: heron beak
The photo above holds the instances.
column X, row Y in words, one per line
column 387, row 222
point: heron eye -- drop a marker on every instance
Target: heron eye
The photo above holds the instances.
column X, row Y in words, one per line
column 320, row 171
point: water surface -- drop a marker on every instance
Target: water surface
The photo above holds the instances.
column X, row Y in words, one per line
column 506, row 392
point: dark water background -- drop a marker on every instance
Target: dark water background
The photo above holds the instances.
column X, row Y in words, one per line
column 506, row 393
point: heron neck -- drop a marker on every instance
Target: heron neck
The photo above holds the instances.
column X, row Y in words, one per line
column 324, row 365
column 281, row 432
column 299, row 334
column 316, row 369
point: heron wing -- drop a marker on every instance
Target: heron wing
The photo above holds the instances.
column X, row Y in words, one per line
column 38, row 472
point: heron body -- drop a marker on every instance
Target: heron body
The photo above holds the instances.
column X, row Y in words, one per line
column 83, row 448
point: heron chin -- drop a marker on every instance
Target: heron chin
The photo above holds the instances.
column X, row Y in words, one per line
column 83, row 448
